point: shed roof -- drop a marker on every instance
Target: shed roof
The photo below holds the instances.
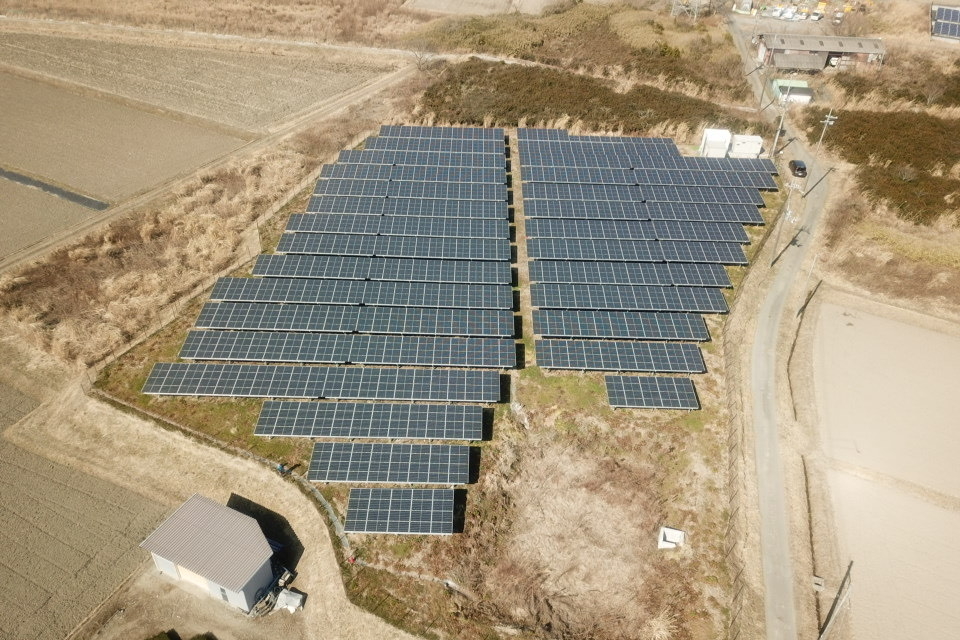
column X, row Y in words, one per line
column 217, row 542
column 828, row 44
column 804, row 61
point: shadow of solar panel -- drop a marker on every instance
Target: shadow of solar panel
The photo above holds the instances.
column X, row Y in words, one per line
column 643, row 392
column 256, row 316
column 347, row 383
column 400, row 511
column 371, row 268
column 338, row 244
column 627, row 298
column 353, row 223
column 334, row 348
column 408, row 207
column 423, row 158
column 370, row 420
column 389, row 463
column 620, row 355
column 637, row 325
column 363, row 292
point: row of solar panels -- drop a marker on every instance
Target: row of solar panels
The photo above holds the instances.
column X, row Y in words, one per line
column 606, row 294
column 411, row 189
column 947, row 14
column 416, row 173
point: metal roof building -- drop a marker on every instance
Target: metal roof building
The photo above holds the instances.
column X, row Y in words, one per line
column 215, row 548
column 811, row 52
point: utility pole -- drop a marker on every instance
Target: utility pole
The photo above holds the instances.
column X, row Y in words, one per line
column 842, row 594
column 783, row 112
column 827, row 121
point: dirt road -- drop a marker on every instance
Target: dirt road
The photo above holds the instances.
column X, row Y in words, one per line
column 775, row 534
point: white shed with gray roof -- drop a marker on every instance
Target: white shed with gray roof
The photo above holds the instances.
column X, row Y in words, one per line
column 216, row 548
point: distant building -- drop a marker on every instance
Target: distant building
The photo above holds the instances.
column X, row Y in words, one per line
column 804, row 52
column 216, row 548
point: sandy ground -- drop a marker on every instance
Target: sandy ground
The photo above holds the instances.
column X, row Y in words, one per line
column 885, row 381
column 245, row 89
column 483, row 7
column 93, row 145
column 136, row 456
column 29, row 215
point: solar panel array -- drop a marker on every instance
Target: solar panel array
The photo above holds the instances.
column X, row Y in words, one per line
column 627, row 240
column 402, row 259
column 946, row 22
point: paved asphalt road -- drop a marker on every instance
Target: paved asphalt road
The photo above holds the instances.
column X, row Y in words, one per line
column 781, row 622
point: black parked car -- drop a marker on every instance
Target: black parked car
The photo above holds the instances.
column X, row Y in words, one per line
column 798, row 168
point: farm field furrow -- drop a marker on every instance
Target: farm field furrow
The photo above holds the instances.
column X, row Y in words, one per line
column 68, row 541
column 94, row 145
column 247, row 90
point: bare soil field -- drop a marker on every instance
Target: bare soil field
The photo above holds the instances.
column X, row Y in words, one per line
column 29, row 215
column 93, row 145
column 884, row 381
column 246, row 87
column 136, row 469
column 68, row 538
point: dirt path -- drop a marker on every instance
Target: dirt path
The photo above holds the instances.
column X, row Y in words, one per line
column 81, row 433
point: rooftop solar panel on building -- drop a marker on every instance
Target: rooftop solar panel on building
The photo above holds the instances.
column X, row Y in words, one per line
column 370, row 293
column 450, row 145
column 635, row 325
column 620, row 355
column 369, row 268
column 391, row 463
column 336, row 348
column 632, row 273
column 400, row 511
column 642, row 392
column 343, row 244
column 349, row 383
column 328, row 318
column 370, row 420
column 627, row 298
column 408, row 207
column 398, row 225
column 462, row 133
column 423, row 158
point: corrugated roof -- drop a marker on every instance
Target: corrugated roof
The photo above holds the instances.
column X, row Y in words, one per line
column 217, row 542
column 830, row 44
column 811, row 61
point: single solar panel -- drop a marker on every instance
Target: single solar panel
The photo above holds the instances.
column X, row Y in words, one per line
column 628, row 298
column 377, row 462
column 363, row 292
column 298, row 265
column 324, row 318
column 620, row 355
column 336, row 348
column 348, row 383
column 634, row 325
column 342, row 244
column 365, row 420
column 643, row 392
column 400, row 511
